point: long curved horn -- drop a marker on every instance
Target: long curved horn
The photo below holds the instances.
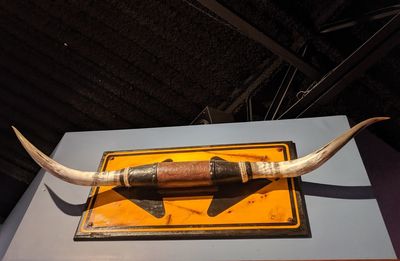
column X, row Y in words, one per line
column 84, row 178
column 194, row 173
column 301, row 166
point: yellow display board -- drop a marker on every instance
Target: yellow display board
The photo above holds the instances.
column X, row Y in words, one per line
column 261, row 208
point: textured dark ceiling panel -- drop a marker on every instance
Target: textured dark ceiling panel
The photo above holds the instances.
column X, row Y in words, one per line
column 72, row 65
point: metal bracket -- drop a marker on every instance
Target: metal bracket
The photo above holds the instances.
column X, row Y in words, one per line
column 283, row 88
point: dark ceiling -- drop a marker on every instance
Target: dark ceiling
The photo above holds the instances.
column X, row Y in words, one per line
column 97, row 65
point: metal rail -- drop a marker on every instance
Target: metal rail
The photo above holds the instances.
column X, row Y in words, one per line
column 283, row 88
column 349, row 70
column 370, row 16
column 253, row 33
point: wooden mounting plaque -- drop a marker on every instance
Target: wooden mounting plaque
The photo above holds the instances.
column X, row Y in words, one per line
column 261, row 208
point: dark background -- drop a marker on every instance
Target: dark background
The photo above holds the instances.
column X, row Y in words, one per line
column 100, row 65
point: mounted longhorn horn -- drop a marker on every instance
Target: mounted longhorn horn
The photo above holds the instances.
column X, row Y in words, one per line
column 194, row 173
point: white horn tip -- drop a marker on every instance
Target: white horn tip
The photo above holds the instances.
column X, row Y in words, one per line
column 19, row 135
column 382, row 118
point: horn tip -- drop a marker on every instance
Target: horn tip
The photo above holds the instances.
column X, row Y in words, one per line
column 382, row 118
column 19, row 135
column 16, row 131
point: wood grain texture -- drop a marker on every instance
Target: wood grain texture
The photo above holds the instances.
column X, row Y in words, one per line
column 184, row 174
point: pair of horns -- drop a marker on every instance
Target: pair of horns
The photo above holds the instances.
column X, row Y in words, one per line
column 194, row 173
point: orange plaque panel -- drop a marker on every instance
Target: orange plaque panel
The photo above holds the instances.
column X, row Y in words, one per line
column 260, row 208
